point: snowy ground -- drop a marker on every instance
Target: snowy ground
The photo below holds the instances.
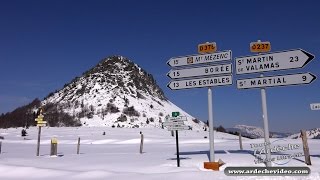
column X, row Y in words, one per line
column 116, row 155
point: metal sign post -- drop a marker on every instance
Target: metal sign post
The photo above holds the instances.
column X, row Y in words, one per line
column 265, row 125
column 265, row 117
column 210, row 121
column 177, row 146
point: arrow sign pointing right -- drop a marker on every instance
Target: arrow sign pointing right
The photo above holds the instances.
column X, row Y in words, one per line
column 272, row 81
column 290, row 59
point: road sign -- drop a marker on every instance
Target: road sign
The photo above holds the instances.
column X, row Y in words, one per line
column 202, row 82
column 38, row 119
column 179, row 118
column 272, row 81
column 174, row 128
column 200, row 71
column 173, row 123
column 315, row 106
column 260, row 47
column 42, row 122
column 207, row 48
column 41, row 125
column 290, row 59
column 175, row 114
column 199, row 59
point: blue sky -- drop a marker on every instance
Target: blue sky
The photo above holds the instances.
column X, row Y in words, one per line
column 45, row 44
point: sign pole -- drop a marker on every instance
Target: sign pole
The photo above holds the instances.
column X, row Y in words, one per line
column 177, row 145
column 211, row 133
column 38, row 145
column 265, row 125
column 265, row 121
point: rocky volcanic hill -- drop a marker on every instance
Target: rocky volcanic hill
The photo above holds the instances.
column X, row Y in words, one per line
column 116, row 93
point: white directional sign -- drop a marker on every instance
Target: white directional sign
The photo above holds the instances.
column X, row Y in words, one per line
column 272, row 81
column 202, row 82
column 200, row 71
column 173, row 123
column 173, row 128
column 290, row 59
column 315, row 106
column 199, row 59
column 179, row 118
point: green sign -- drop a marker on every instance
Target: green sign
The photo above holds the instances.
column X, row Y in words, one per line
column 175, row 114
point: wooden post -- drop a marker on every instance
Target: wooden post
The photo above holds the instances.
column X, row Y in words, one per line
column 38, row 144
column 54, row 147
column 172, row 133
column 305, row 147
column 78, row 147
column 51, row 149
column 141, row 143
column 0, row 146
column 240, row 141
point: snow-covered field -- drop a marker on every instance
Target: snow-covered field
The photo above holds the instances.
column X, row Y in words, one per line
column 116, row 155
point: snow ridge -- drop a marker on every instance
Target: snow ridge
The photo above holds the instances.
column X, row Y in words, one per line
column 255, row 132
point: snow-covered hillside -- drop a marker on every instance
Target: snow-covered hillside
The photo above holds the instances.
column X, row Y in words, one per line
column 250, row 131
column 115, row 155
column 117, row 93
column 311, row 134
column 255, row 132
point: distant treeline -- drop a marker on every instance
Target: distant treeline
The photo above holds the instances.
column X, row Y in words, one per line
column 222, row 129
column 25, row 116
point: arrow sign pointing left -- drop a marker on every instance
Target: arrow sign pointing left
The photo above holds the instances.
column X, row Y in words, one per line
column 201, row 82
column 272, row 81
column 199, row 59
column 200, row 71
column 178, row 128
column 177, row 123
column 315, row 106
column 290, row 59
